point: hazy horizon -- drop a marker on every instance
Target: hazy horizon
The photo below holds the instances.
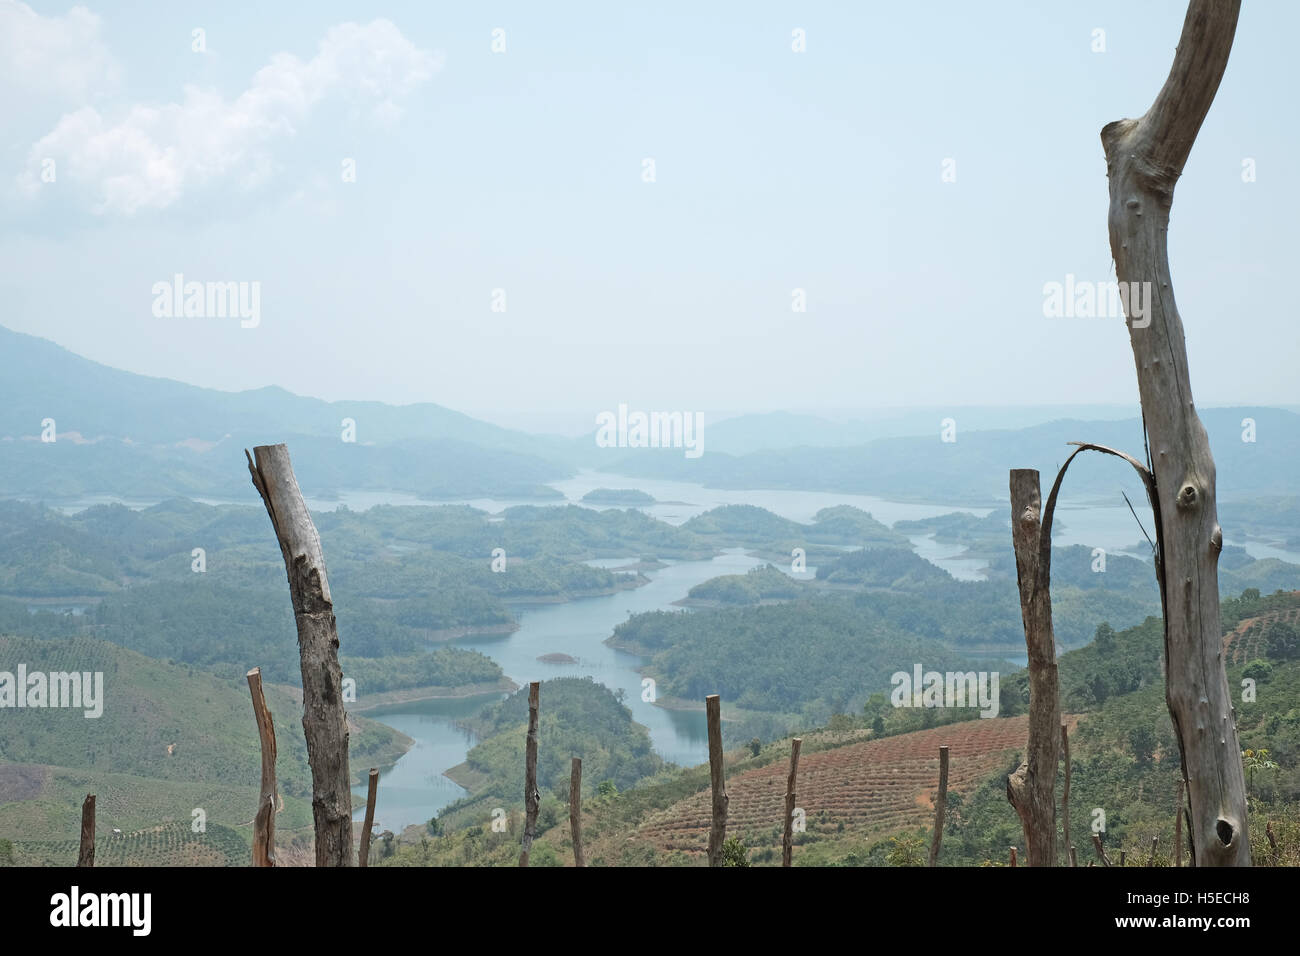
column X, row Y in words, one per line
column 523, row 171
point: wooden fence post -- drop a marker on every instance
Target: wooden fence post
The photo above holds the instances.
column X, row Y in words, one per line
column 718, row 828
column 1032, row 788
column 1013, row 856
column 264, row 819
column 575, row 811
column 363, row 857
column 532, row 799
column 940, row 805
column 787, row 841
column 86, row 851
column 1178, row 825
column 1101, row 854
column 323, row 720
column 1065, row 796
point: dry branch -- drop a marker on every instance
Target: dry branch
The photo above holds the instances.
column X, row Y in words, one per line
column 264, row 819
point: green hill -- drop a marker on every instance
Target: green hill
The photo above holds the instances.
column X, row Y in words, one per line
column 171, row 739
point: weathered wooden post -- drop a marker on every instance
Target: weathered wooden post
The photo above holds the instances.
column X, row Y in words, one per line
column 1013, row 856
column 718, row 828
column 1065, row 796
column 787, row 841
column 532, row 799
column 940, row 806
column 575, row 810
column 363, row 857
column 1032, row 788
column 1178, row 825
column 323, row 720
column 86, row 851
column 1101, row 853
column 264, row 819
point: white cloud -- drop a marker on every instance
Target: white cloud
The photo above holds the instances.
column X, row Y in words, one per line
column 149, row 156
column 60, row 57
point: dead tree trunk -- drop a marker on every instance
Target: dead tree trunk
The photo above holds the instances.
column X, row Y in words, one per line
column 86, row 850
column 363, row 855
column 718, row 828
column 1144, row 158
column 1065, row 795
column 264, row 820
column 532, row 799
column 787, row 841
column 575, row 811
column 323, row 721
column 1032, row 788
column 940, row 806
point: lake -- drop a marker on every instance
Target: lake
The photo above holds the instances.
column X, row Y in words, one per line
column 414, row 790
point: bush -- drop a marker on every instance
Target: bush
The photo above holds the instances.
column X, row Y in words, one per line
column 734, row 852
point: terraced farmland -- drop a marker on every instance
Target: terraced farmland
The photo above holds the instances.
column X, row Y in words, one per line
column 870, row 789
column 1245, row 642
column 174, row 844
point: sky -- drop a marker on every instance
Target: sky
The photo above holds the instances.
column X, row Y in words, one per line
column 533, row 213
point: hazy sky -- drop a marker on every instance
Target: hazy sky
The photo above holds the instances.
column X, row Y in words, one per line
column 524, row 171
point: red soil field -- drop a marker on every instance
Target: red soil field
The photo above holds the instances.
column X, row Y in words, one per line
column 873, row 788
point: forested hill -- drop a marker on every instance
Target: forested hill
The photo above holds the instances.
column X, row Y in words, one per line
column 117, row 433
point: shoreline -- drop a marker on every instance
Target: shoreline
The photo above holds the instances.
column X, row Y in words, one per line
column 411, row 695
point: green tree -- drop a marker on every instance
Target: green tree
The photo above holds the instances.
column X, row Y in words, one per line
column 1281, row 642
column 906, row 851
column 1142, row 740
column 734, row 852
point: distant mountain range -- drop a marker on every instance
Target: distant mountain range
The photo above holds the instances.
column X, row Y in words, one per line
column 118, row 433
column 133, row 436
column 973, row 468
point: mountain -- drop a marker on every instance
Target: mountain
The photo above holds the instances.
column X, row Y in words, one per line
column 129, row 435
column 973, row 468
column 772, row 431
